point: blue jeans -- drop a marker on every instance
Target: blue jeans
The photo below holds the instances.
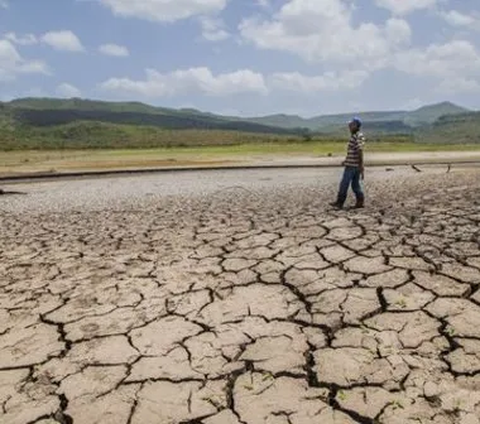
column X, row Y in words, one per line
column 351, row 175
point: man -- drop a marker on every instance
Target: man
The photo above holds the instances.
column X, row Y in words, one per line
column 354, row 169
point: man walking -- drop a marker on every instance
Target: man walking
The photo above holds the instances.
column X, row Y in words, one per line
column 354, row 168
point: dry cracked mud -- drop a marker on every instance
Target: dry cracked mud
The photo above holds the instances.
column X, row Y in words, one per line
column 245, row 306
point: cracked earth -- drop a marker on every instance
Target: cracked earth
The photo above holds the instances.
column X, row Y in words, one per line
column 245, row 306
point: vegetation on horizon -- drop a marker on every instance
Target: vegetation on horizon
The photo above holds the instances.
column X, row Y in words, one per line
column 51, row 124
column 99, row 135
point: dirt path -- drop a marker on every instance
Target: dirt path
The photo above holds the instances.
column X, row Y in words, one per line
column 142, row 162
column 241, row 301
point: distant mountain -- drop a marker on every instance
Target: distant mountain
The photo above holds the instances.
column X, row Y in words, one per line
column 47, row 112
column 102, row 106
column 280, row 121
column 323, row 122
column 38, row 103
column 429, row 114
column 421, row 116
column 52, row 112
column 463, row 128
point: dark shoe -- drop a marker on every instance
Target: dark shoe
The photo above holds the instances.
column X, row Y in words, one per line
column 360, row 204
column 336, row 205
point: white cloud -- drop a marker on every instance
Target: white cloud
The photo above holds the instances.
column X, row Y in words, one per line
column 398, row 32
column 323, row 30
column 403, row 7
column 452, row 67
column 63, row 41
column 163, row 10
column 59, row 40
column 458, row 85
column 454, row 59
column 114, row 50
column 22, row 40
column 12, row 64
column 457, row 19
column 33, row 67
column 203, row 81
column 68, row 90
column 3, row 4
column 264, row 4
column 329, row 81
column 193, row 80
column 213, row 29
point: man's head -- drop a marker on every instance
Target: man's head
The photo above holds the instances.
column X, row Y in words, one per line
column 355, row 124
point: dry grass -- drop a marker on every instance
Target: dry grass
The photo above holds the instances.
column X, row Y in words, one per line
column 20, row 162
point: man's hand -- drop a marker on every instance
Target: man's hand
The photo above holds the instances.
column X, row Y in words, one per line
column 362, row 173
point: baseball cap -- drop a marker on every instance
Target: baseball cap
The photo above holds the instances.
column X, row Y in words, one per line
column 356, row 120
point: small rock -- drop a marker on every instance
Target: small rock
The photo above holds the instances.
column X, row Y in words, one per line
column 430, row 390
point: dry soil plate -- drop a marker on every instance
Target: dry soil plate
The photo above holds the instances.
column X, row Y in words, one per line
column 248, row 304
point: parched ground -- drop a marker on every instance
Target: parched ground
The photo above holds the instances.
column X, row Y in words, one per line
column 247, row 304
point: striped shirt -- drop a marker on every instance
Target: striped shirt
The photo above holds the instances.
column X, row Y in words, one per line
column 355, row 146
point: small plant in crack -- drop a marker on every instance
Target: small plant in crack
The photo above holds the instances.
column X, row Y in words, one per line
column 450, row 331
column 342, row 395
column 267, row 376
column 457, row 407
column 396, row 405
column 364, row 329
column 401, row 303
column 215, row 401
column 249, row 386
column 388, row 351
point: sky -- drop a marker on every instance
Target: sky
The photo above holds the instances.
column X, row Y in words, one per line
column 244, row 57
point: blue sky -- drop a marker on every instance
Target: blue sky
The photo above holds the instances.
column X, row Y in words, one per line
column 243, row 57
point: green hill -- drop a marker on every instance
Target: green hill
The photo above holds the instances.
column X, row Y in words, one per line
column 422, row 116
column 279, row 120
column 459, row 129
column 429, row 114
column 324, row 122
column 133, row 112
column 52, row 112
column 88, row 105
column 50, row 123
column 104, row 135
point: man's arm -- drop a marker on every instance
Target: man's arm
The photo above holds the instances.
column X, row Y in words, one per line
column 362, row 169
